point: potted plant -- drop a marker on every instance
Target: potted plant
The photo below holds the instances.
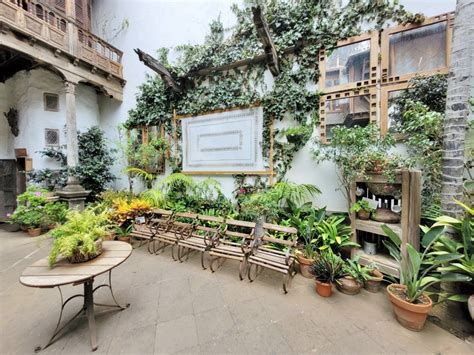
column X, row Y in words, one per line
column 123, row 234
column 363, row 209
column 297, row 135
column 307, row 231
column 33, row 218
column 410, row 299
column 374, row 281
column 80, row 238
column 327, row 268
column 354, row 277
column 55, row 213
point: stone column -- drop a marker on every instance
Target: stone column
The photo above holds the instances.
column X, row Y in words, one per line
column 73, row 192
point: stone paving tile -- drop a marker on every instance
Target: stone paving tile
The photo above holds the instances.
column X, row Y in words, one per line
column 176, row 335
column 214, row 324
column 180, row 308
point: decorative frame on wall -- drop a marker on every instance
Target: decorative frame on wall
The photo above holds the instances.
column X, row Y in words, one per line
column 350, row 94
column 232, row 146
column 372, row 39
column 388, row 61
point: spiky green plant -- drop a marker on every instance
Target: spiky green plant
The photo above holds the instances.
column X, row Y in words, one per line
column 328, row 267
column 154, row 197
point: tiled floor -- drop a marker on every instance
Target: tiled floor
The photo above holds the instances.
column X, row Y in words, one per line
column 180, row 308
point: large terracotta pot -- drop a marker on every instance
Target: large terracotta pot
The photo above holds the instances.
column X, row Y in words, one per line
column 305, row 265
column 34, row 232
column 411, row 316
column 323, row 289
column 373, row 285
column 348, row 285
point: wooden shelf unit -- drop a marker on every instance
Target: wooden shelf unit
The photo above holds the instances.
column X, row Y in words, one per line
column 408, row 229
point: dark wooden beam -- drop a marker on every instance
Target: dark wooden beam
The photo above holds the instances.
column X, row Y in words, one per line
column 159, row 68
column 263, row 33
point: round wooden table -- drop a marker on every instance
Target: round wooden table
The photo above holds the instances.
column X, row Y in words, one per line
column 64, row 273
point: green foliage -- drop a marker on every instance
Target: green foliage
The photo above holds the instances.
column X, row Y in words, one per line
column 93, row 171
column 361, row 205
column 79, row 233
column 30, row 211
column 328, row 267
column 55, row 213
column 419, row 271
column 357, row 271
column 317, row 23
column 359, row 152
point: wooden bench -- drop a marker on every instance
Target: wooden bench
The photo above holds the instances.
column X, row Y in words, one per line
column 264, row 253
column 205, row 232
column 233, row 243
column 179, row 227
column 158, row 224
column 143, row 232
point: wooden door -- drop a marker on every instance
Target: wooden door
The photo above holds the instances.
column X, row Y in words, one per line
column 8, row 187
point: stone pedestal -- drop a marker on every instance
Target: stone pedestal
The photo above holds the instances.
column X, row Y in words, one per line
column 74, row 194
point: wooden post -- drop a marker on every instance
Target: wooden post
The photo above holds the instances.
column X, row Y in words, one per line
column 175, row 134
column 270, row 155
column 263, row 33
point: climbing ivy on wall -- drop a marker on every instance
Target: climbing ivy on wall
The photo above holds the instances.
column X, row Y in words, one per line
column 305, row 26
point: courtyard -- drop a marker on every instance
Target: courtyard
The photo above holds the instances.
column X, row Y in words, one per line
column 180, row 308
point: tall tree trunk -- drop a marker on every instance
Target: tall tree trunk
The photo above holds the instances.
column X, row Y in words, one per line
column 455, row 125
column 457, row 107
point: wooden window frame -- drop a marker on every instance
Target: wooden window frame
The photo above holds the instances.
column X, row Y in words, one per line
column 384, row 96
column 45, row 105
column 49, row 145
column 385, row 48
column 373, row 38
column 371, row 91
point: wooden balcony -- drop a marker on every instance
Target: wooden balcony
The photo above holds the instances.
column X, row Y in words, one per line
column 41, row 24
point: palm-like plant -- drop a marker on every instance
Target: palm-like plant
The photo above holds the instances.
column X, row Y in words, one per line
column 328, row 267
column 286, row 192
column 419, row 272
column 154, row 197
column 334, row 234
column 177, row 183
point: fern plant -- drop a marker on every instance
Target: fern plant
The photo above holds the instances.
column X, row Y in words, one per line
column 79, row 234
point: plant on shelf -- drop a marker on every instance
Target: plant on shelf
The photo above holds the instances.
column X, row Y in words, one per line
column 80, row 238
column 327, row 268
column 419, row 273
column 359, row 152
column 363, row 209
column 297, row 135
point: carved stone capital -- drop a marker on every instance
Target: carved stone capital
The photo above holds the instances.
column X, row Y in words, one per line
column 70, row 87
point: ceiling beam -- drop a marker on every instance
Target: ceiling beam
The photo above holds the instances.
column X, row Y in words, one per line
column 159, row 68
column 263, row 32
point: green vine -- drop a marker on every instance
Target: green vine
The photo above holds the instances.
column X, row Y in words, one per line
column 304, row 26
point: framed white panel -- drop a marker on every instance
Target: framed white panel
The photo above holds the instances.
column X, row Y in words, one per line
column 228, row 141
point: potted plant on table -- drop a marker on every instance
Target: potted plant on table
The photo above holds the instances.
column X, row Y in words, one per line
column 410, row 298
column 327, row 268
column 363, row 209
column 80, row 238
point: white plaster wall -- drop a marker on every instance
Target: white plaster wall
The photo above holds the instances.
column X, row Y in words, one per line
column 165, row 23
column 25, row 91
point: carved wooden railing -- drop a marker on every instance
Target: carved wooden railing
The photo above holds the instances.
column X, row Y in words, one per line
column 44, row 24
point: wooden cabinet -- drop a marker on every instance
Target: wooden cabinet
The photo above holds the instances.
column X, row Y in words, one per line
column 408, row 198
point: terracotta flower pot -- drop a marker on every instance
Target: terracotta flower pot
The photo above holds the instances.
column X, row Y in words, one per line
column 124, row 239
column 34, row 232
column 412, row 316
column 348, row 285
column 305, row 266
column 324, row 289
column 363, row 214
column 374, row 284
column 23, row 228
